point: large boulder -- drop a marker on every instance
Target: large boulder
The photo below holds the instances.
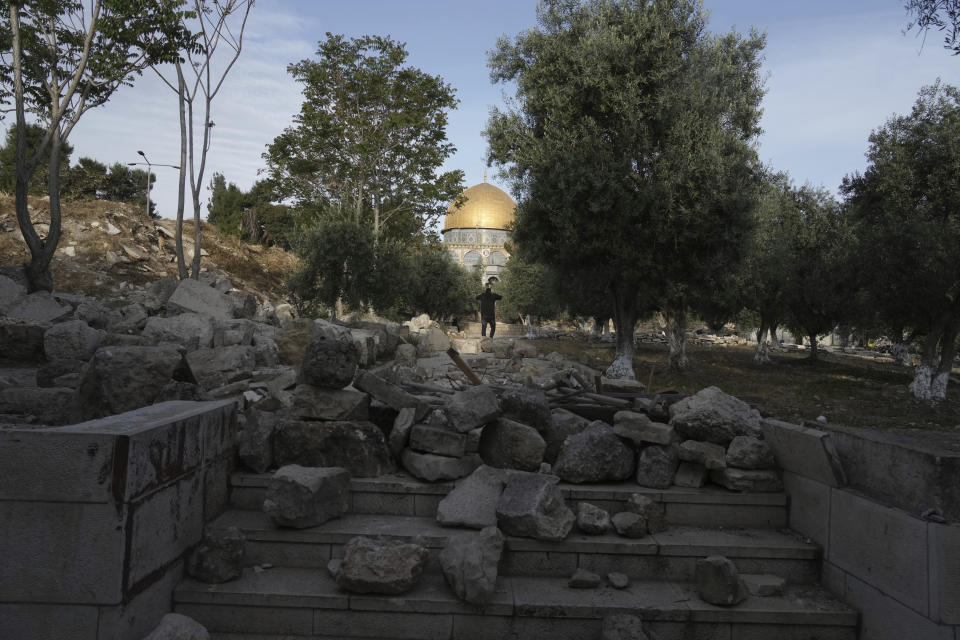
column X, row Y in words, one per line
column 21, row 341
column 358, row 447
column 564, row 423
column 198, row 297
column 511, row 445
column 531, row 506
column 118, row 379
column 711, row 415
column 526, row 405
column 11, row 292
column 657, row 466
column 329, row 362
column 71, row 340
column 301, row 497
column 470, row 564
column 745, row 452
column 218, row 558
column 473, row 502
column 594, row 455
column 213, row 368
column 379, row 566
column 472, row 408
column 40, row 306
column 192, row 330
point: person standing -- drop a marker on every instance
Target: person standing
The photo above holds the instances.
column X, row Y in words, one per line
column 488, row 311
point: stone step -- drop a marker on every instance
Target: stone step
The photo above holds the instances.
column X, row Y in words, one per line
column 402, row 494
column 669, row 555
column 286, row 603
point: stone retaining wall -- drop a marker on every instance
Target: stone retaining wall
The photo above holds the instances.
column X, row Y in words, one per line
column 901, row 570
column 95, row 518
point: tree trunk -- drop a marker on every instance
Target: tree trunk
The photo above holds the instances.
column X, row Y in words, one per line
column 933, row 374
column 762, row 355
column 625, row 317
column 676, row 314
column 182, row 186
column 814, row 352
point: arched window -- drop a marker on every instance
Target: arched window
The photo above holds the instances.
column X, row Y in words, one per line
column 497, row 258
column 471, row 258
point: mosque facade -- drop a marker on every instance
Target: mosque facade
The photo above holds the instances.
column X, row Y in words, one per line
column 476, row 228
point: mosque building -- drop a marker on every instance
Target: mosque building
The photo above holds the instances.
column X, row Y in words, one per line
column 476, row 231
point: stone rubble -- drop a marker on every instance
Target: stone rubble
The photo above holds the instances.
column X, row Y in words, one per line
column 470, row 564
column 380, row 566
column 718, row 582
column 301, row 497
column 218, row 558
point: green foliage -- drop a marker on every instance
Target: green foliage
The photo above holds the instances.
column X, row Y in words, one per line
column 437, row 285
column 92, row 180
column 369, row 140
column 818, row 240
column 251, row 215
column 528, row 288
column 905, row 212
column 37, row 186
column 630, row 146
column 942, row 15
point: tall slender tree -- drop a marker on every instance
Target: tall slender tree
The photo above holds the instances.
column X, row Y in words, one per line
column 630, row 150
column 65, row 57
column 216, row 25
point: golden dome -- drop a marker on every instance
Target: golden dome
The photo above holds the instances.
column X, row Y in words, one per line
column 484, row 207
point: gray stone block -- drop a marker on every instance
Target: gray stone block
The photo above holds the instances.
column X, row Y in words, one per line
column 804, row 451
column 745, row 480
column 389, row 394
column 944, row 546
column 371, row 566
column 472, row 408
column 882, row 546
column 433, row 468
column 657, row 466
column 470, row 564
column 473, row 502
column 318, row 403
column 192, row 330
column 532, row 506
column 809, row 507
column 595, row 454
column 510, row 445
column 199, row 297
column 163, row 526
column 71, row 340
column 438, row 440
column 358, row 447
column 639, row 428
column 302, row 497
column 710, row 455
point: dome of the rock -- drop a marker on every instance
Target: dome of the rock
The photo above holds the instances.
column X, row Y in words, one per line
column 476, row 228
column 482, row 206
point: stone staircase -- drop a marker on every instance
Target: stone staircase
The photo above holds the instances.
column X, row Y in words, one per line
column 286, row 593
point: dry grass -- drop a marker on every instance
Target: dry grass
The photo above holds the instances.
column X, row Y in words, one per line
column 846, row 390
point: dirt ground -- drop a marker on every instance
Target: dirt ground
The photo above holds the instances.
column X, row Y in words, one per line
column 845, row 389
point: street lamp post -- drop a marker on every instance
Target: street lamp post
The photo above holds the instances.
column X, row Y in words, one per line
column 149, row 173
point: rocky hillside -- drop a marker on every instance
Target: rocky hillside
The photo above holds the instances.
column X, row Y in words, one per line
column 108, row 247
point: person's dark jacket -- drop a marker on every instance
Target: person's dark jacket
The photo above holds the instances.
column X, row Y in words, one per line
column 488, row 303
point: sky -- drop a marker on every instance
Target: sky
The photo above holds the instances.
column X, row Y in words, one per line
column 834, row 71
